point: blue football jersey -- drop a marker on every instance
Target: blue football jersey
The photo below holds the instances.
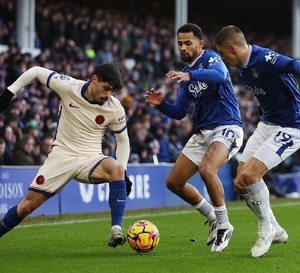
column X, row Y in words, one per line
column 269, row 76
column 210, row 90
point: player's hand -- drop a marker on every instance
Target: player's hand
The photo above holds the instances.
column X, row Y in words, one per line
column 5, row 99
column 179, row 76
column 128, row 184
column 154, row 97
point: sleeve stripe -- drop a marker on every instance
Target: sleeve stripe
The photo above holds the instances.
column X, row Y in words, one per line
column 48, row 80
column 120, row 131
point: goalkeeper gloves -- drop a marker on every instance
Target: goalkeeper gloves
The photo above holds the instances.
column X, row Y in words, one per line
column 128, row 184
column 5, row 99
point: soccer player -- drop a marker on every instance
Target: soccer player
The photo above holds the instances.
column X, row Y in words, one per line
column 86, row 110
column 268, row 75
column 204, row 82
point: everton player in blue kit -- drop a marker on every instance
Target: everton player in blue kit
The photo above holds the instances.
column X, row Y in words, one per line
column 204, row 82
column 269, row 76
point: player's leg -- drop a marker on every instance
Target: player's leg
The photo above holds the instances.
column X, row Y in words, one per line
column 281, row 235
column 16, row 214
column 112, row 171
column 224, row 142
column 215, row 157
column 252, row 173
column 176, row 182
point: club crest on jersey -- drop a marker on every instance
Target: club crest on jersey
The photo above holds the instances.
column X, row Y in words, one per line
column 197, row 89
column 213, row 60
column 271, row 57
column 100, row 119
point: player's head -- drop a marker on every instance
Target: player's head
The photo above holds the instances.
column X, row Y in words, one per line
column 106, row 80
column 109, row 73
column 231, row 45
column 190, row 42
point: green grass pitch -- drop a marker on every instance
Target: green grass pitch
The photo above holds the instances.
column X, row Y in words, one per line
column 78, row 243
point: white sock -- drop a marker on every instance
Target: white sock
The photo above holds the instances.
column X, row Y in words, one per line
column 222, row 216
column 260, row 195
column 273, row 220
column 206, row 209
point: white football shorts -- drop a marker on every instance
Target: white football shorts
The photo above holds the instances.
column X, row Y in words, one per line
column 60, row 167
column 230, row 135
column 271, row 144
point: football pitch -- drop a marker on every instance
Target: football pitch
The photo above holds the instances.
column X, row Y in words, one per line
column 78, row 243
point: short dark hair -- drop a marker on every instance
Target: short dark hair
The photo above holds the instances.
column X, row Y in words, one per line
column 190, row 27
column 110, row 72
column 230, row 35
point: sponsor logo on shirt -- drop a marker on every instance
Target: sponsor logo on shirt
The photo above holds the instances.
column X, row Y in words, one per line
column 196, row 89
column 257, row 91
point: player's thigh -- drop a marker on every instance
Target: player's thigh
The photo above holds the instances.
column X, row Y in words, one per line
column 99, row 169
column 273, row 147
column 231, row 136
column 57, row 170
column 182, row 170
column 108, row 169
column 215, row 157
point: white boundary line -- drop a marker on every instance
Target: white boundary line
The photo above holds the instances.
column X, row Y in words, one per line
column 142, row 215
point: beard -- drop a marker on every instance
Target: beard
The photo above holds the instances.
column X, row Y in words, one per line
column 187, row 58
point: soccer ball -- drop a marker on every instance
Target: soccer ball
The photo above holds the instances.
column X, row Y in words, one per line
column 143, row 236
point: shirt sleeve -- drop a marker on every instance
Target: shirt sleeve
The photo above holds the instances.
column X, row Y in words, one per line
column 34, row 73
column 216, row 72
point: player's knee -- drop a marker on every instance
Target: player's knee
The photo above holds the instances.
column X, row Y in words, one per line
column 171, row 185
column 118, row 172
column 248, row 177
column 206, row 172
column 239, row 185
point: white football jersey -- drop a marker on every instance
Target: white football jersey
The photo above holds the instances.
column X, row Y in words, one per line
column 81, row 125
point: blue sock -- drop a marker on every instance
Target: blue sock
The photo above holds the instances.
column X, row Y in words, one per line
column 117, row 201
column 11, row 219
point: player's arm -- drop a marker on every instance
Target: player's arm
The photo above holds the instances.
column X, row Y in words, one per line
column 216, row 72
column 276, row 63
column 123, row 147
column 122, row 153
column 119, row 129
column 288, row 65
column 35, row 73
column 175, row 110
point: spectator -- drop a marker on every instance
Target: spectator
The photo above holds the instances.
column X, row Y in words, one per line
column 23, row 152
column 45, row 147
column 3, row 155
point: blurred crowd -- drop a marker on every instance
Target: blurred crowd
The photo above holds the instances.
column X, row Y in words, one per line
column 72, row 40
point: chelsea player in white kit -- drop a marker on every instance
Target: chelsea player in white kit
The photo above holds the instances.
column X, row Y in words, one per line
column 269, row 76
column 86, row 111
column 204, row 82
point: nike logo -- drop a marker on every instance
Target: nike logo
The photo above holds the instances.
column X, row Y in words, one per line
column 73, row 105
column 118, row 200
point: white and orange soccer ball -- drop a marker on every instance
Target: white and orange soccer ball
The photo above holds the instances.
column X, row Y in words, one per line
column 143, row 236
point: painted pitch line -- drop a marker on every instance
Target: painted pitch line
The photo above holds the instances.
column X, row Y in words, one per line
column 142, row 215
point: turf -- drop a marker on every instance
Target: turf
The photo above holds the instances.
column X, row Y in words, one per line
column 78, row 243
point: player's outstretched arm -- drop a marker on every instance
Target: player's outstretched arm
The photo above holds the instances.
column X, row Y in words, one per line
column 32, row 74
